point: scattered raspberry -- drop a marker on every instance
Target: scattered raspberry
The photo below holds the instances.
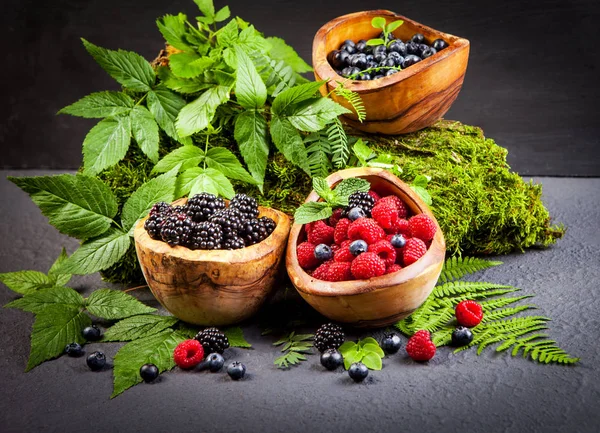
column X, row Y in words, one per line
column 468, row 313
column 320, row 233
column 393, row 268
column 188, row 353
column 384, row 250
column 366, row 229
column 375, row 196
column 367, row 265
column 414, row 249
column 422, row 227
column 336, row 217
column 339, row 271
column 402, row 211
column 420, row 347
column 386, row 214
column 306, row 255
column 321, row 272
column 343, row 254
column 340, row 232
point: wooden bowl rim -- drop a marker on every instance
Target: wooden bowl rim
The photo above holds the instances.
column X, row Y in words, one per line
column 314, row 287
column 324, row 70
column 234, row 257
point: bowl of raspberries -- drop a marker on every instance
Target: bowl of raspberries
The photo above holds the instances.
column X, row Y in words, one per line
column 406, row 74
column 210, row 261
column 372, row 262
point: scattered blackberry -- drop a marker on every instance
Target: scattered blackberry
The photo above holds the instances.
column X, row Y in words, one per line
column 202, row 206
column 361, row 200
column 246, row 205
column 328, row 336
column 177, row 229
column 254, row 231
column 205, row 236
column 212, row 340
column 230, row 221
column 234, row 243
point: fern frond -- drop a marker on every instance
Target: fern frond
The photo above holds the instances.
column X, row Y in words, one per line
column 458, row 267
column 319, row 152
column 353, row 99
column 340, row 149
column 457, row 288
column 443, row 337
column 492, row 304
column 541, row 349
column 295, row 345
column 505, row 312
column 276, row 74
column 479, row 295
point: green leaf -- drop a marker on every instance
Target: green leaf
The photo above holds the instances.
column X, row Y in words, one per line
column 55, row 274
column 352, row 185
column 25, row 282
column 77, row 205
column 222, row 14
column 186, row 180
column 423, row 193
column 373, row 348
column 161, row 188
column 235, row 335
column 312, row 211
column 114, row 304
column 312, row 115
column 282, row 51
column 251, row 136
column 37, row 301
column 372, row 361
column 189, row 65
column 393, row 26
column 363, row 152
column 421, row 180
column 322, row 188
column 382, row 161
column 99, row 105
column 165, row 106
column 186, row 156
column 55, row 327
column 214, row 182
column 106, row 144
column 352, row 356
column 250, row 90
column 156, row 349
column 228, row 35
column 295, row 95
column 206, row 7
column 288, row 141
column 98, row 253
column 347, row 346
column 223, row 160
column 145, row 132
column 136, row 327
column 128, row 68
column 197, row 115
column 180, row 85
column 378, row 22
column 375, row 42
column 172, row 27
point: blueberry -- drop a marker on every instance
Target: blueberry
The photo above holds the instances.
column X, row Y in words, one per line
column 398, row 241
column 398, row 46
column 379, row 49
column 350, row 49
column 382, row 36
column 361, row 45
column 418, row 38
column 331, row 359
column 372, row 64
column 439, row 44
column 390, row 343
column 413, row 48
column 358, row 247
column 92, row 333
column 387, row 63
column 356, row 213
column 396, row 58
column 410, row 60
column 215, row 362
column 391, row 72
column 359, row 61
column 349, row 42
column 370, row 57
column 428, row 52
column 323, row 252
column 365, row 76
column 335, row 60
column 96, row 361
column 347, row 71
column 148, row 372
column 74, row 349
column 461, row 336
column 377, row 77
column 358, row 372
column 354, row 70
column 379, row 57
column 236, row 370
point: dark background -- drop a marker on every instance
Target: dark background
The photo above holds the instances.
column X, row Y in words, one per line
column 532, row 81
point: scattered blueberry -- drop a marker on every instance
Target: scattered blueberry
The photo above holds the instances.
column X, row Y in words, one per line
column 356, row 213
column 148, row 372
column 331, row 359
column 96, row 361
column 390, row 343
column 358, row 372
column 461, row 336
column 215, row 362
column 74, row 349
column 92, row 333
column 236, row 370
column 427, row 52
column 439, row 44
column 398, row 241
column 358, row 247
column 418, row 38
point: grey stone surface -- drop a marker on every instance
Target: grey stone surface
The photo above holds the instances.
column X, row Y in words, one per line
column 462, row 392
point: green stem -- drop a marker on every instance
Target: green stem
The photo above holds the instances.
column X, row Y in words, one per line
column 205, row 151
column 141, row 99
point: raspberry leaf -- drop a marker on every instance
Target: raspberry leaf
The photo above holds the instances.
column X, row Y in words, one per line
column 99, row 105
column 222, row 14
column 25, row 282
column 165, row 106
column 172, row 27
column 282, row 51
column 140, row 326
column 36, row 302
column 145, row 132
column 250, row 91
column 106, row 144
column 294, row 95
column 189, row 65
column 98, row 253
column 372, row 361
column 312, row 211
column 363, row 152
column 55, row 274
column 198, row 114
column 114, row 304
column 288, row 141
column 208, row 180
column 236, row 338
column 314, row 114
column 251, row 135
column 186, row 157
column 224, row 160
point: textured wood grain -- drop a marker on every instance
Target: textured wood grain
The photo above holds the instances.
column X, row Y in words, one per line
column 379, row 301
column 217, row 287
column 407, row 101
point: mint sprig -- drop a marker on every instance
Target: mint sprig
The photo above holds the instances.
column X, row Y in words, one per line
column 380, row 23
column 366, row 351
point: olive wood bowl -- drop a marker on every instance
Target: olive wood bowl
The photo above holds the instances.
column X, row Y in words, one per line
column 407, row 101
column 378, row 301
column 217, row 287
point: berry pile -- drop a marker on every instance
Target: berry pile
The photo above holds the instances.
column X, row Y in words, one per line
column 206, row 223
column 371, row 237
column 366, row 62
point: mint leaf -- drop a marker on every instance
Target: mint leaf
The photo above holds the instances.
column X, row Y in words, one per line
column 36, row 302
column 393, row 26
column 223, row 160
column 156, row 349
column 165, row 106
column 186, row 156
column 222, row 14
column 145, row 132
column 55, row 326
column 235, row 335
column 251, row 136
column 197, row 115
column 250, row 90
column 161, row 188
column 172, row 27
column 363, row 152
column 206, row 7
column 128, row 68
column 352, row 185
column 295, row 95
column 312, row 211
column 25, row 282
column 373, row 348
column 288, row 141
column 372, row 361
column 98, row 253
column 423, row 193
column 282, row 51
column 55, row 274
column 214, row 182
column 114, row 304
column 188, row 65
column 378, row 22
column 99, row 105
column 421, row 181
column 106, row 144
column 322, row 188
column 136, row 327
column 77, row 205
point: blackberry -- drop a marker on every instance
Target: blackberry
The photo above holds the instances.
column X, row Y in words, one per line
column 212, row 340
column 254, row 231
column 362, row 200
column 328, row 336
column 246, row 205
column 205, row 236
column 230, row 221
column 154, row 224
column 234, row 243
column 177, row 229
column 161, row 208
column 202, row 206
column 268, row 223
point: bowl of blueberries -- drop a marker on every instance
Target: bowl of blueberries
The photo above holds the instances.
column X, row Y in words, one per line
column 407, row 74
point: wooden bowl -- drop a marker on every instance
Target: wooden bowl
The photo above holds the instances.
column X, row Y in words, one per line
column 217, row 287
column 378, row 301
column 407, row 101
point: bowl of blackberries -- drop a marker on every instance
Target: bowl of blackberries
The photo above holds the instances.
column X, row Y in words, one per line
column 210, row 261
column 407, row 74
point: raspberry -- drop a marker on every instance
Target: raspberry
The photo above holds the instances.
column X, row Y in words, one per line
column 375, row 196
column 306, row 255
column 400, row 227
column 367, row 265
column 339, row 271
column 422, row 227
column 343, row 254
column 321, row 233
column 321, row 272
column 385, row 251
column 386, row 214
column 188, row 353
column 336, row 217
column 420, row 347
column 393, row 268
column 366, row 229
column 340, row 233
column 414, row 249
column 468, row 313
column 396, row 201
